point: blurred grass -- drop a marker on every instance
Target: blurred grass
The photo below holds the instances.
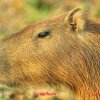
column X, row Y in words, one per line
column 14, row 17
column 36, row 11
column 97, row 13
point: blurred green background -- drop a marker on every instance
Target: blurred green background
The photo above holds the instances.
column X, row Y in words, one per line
column 16, row 14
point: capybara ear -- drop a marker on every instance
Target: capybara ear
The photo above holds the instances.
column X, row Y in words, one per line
column 75, row 20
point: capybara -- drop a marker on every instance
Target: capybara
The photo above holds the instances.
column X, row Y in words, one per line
column 62, row 50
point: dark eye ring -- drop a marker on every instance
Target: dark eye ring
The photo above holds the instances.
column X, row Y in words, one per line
column 43, row 34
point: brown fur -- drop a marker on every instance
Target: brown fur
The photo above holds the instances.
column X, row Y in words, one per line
column 70, row 55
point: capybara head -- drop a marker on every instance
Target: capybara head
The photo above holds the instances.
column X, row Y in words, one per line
column 60, row 50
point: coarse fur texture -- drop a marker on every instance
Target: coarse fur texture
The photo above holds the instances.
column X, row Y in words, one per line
column 69, row 55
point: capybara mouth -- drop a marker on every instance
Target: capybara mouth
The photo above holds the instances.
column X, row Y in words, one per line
column 13, row 84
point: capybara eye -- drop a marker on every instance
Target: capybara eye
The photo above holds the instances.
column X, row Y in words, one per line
column 43, row 34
